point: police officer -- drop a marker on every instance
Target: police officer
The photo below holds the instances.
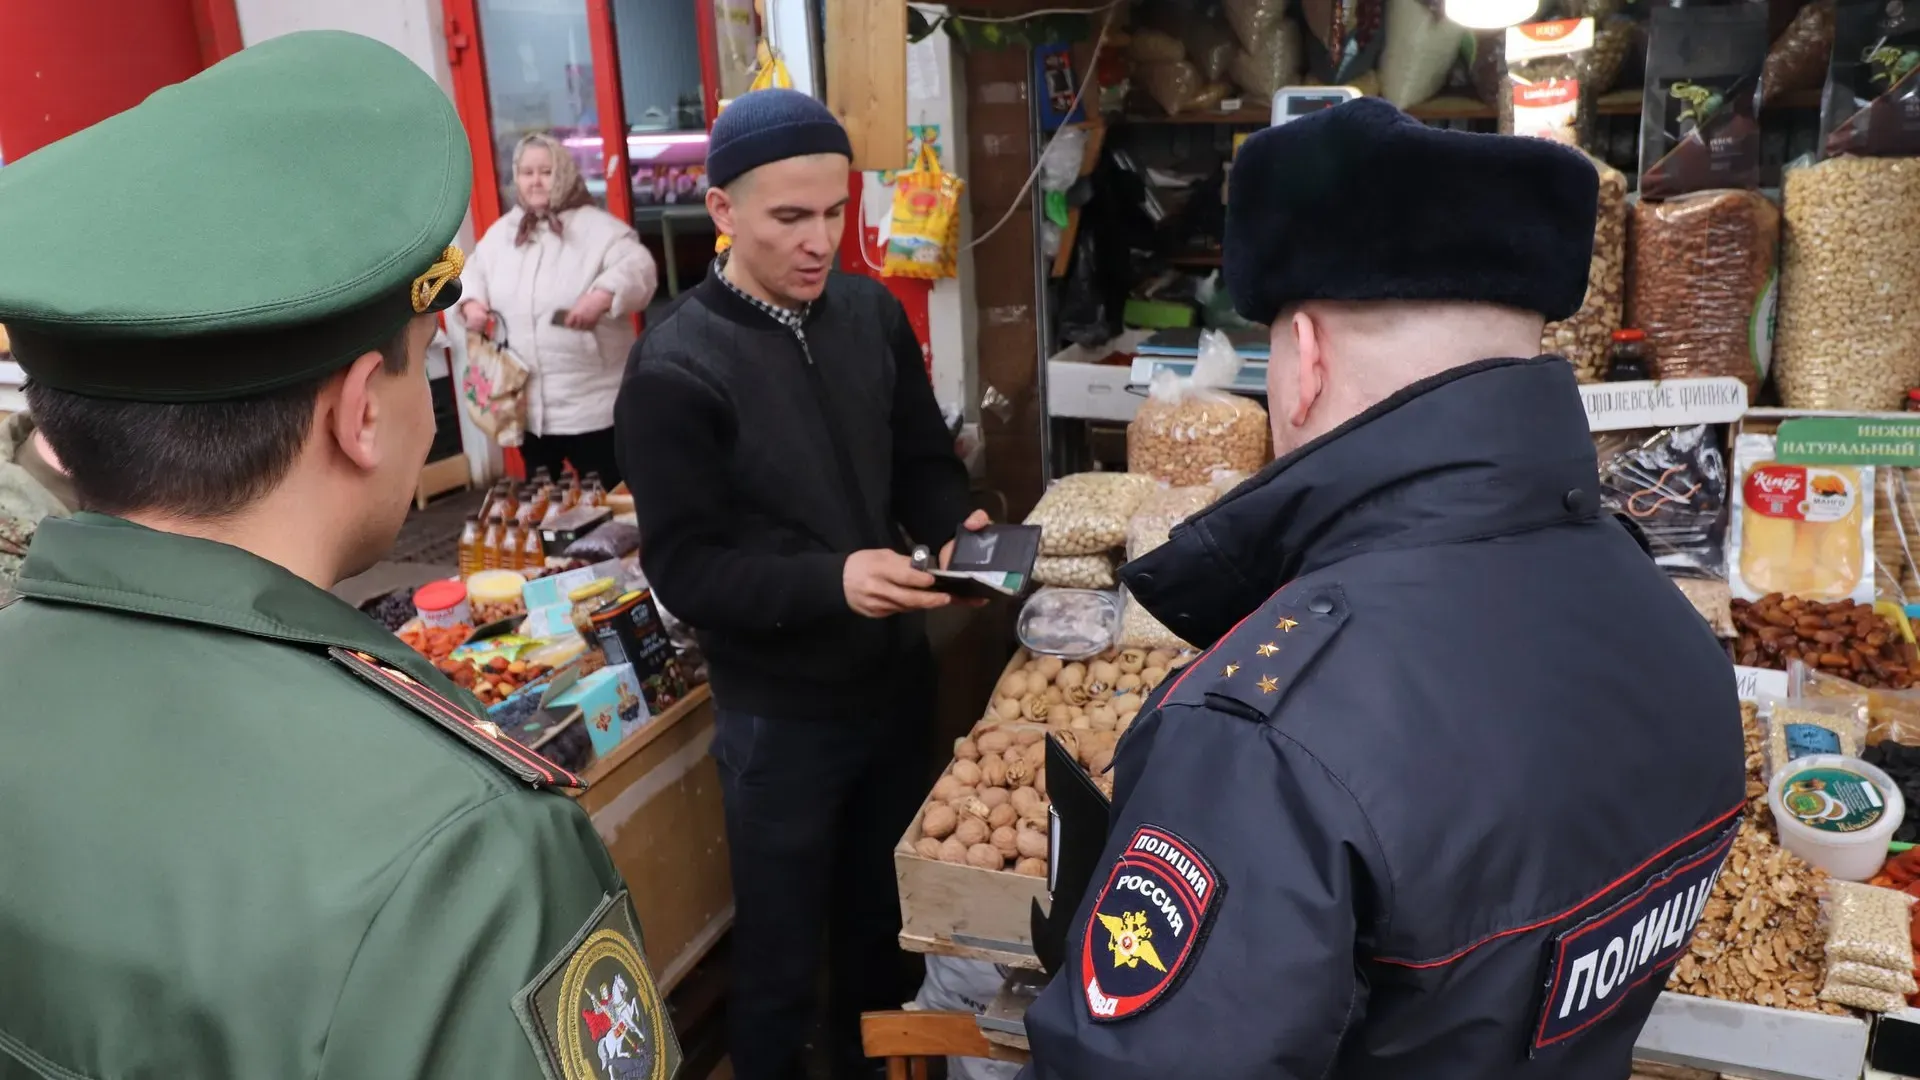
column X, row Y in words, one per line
column 248, row 832
column 1453, row 781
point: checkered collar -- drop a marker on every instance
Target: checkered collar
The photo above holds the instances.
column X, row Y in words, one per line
column 793, row 320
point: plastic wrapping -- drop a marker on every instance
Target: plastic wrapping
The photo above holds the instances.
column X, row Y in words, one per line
column 1487, row 65
column 1713, row 599
column 1872, row 101
column 494, row 386
column 1701, row 106
column 1868, row 925
column 1804, row 727
column 1275, row 62
column 1074, row 571
column 1343, row 38
column 1893, row 536
column 1190, row 427
column 1149, row 46
column 1140, row 630
column 1087, row 513
column 1673, row 486
column 1161, row 511
column 614, row 540
column 1545, row 94
column 1805, row 531
column 1068, row 623
column 1613, row 40
column 1210, row 45
column 1255, row 21
column 1703, row 284
column 1798, row 59
column 1179, row 87
column 1899, row 490
column 1585, row 338
column 1872, row 976
column 1892, row 715
column 1421, row 48
column 1849, row 327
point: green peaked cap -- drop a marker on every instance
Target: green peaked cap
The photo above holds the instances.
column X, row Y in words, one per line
column 260, row 224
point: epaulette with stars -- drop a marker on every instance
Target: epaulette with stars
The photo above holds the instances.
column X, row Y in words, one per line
column 1249, row 671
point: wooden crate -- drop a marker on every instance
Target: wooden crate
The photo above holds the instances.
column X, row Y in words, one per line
column 965, row 911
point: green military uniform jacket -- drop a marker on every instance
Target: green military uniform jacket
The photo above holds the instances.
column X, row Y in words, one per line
column 223, row 854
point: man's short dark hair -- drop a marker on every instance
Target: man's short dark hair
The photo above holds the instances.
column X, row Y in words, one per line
column 197, row 460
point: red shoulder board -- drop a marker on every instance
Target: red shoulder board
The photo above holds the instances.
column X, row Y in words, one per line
column 523, row 763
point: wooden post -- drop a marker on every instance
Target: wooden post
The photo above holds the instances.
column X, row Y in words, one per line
column 866, row 68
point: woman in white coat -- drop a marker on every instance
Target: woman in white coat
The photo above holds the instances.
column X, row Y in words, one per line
column 565, row 278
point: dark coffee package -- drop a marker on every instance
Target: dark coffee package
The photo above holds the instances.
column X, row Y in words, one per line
column 1699, row 121
column 1871, row 107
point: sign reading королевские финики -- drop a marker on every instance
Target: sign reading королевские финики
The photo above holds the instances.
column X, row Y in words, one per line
column 1841, row 440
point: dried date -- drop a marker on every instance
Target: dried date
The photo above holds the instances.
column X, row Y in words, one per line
column 1840, row 638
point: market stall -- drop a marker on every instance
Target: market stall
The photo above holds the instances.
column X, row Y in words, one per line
column 1769, row 473
column 553, row 629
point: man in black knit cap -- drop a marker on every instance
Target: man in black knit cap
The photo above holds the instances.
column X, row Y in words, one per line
column 1452, row 783
column 782, row 442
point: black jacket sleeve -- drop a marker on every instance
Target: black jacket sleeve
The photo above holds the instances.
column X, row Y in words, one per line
column 930, row 486
column 1269, row 988
column 672, row 429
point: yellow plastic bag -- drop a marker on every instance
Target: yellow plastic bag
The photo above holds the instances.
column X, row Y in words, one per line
column 924, row 240
column 771, row 74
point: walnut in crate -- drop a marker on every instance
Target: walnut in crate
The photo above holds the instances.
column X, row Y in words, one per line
column 1759, row 940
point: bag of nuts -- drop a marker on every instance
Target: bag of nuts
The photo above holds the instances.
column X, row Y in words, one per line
column 1161, row 511
column 1849, row 334
column 1703, row 284
column 1074, row 571
column 1190, row 427
column 1585, row 338
column 1087, row 513
column 1547, row 93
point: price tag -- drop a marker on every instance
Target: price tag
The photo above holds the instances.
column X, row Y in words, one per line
column 1756, row 683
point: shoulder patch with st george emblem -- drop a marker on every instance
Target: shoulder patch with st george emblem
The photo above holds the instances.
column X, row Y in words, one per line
column 594, row 1012
column 1148, row 922
column 1595, row 965
column 528, row 765
column 1249, row 671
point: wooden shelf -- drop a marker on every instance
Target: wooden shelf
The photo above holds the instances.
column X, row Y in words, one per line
column 1446, row 107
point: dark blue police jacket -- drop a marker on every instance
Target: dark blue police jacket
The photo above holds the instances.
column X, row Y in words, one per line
column 1446, row 795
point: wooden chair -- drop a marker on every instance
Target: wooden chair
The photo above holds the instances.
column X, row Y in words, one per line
column 908, row 1040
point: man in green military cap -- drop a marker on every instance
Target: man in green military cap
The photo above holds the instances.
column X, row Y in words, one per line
column 247, row 833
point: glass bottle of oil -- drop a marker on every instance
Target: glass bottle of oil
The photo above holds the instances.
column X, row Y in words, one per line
column 533, row 553
column 593, row 492
column 571, row 490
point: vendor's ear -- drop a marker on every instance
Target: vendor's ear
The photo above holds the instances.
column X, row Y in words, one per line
column 720, row 208
column 1310, row 371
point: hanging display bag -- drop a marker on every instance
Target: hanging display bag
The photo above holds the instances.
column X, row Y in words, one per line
column 924, row 239
column 494, row 388
column 770, row 74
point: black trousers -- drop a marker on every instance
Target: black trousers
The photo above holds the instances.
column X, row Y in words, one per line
column 813, row 811
column 590, row 451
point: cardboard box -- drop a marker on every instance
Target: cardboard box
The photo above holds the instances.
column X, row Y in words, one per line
column 611, row 705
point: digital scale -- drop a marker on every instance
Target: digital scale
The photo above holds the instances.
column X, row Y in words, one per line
column 1293, row 102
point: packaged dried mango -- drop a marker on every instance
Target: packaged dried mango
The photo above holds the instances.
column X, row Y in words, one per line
column 1802, row 530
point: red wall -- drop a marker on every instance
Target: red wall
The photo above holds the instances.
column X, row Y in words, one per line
column 67, row 64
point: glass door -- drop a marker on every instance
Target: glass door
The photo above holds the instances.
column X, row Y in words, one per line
column 539, row 63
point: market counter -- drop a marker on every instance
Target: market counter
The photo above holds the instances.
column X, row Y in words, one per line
column 655, row 801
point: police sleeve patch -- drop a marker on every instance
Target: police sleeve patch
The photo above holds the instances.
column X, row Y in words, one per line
column 1148, row 921
column 594, row 1013
column 1594, row 966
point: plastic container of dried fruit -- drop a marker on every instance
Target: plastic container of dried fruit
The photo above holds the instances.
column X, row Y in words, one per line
column 1072, row 624
column 1836, row 812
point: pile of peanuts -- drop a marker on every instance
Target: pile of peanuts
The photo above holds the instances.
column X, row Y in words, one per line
column 1849, row 327
column 1184, row 442
column 1703, row 269
column 1585, row 338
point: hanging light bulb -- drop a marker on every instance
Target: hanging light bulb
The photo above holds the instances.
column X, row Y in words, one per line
column 1490, row 14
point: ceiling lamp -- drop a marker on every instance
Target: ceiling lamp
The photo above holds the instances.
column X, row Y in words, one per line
column 1490, row 14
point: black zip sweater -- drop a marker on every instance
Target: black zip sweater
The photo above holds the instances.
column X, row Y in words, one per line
column 759, row 459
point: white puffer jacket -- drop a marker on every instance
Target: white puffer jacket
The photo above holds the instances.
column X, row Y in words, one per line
column 576, row 373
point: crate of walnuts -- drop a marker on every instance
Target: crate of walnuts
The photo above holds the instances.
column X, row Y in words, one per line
column 975, row 856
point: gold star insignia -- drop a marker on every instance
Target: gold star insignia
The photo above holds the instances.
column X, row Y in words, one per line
column 1286, row 626
column 1231, row 670
column 1268, row 649
column 1268, row 685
